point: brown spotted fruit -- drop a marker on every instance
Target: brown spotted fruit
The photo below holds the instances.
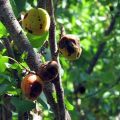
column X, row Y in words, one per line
column 36, row 21
column 31, row 86
column 48, row 71
column 69, row 47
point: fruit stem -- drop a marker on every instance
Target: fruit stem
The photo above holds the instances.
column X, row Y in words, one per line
column 19, row 63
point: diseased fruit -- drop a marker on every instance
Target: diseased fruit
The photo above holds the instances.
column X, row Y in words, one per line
column 48, row 71
column 69, row 47
column 31, row 86
column 36, row 21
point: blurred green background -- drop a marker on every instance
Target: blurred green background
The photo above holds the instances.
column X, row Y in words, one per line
column 91, row 83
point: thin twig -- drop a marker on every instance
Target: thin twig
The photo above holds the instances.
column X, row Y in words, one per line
column 102, row 44
column 8, row 47
column 62, row 31
column 95, row 58
column 48, row 87
column 53, row 48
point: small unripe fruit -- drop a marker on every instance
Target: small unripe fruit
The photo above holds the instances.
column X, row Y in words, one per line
column 36, row 21
column 48, row 71
column 31, row 86
column 69, row 47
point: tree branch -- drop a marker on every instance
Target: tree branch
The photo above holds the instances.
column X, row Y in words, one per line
column 63, row 115
column 102, row 44
column 48, row 91
column 48, row 87
column 41, row 3
column 96, row 57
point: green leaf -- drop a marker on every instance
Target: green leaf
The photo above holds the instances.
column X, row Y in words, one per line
column 22, row 105
column 68, row 105
column 54, row 96
column 3, row 88
column 37, row 41
column 24, row 64
column 32, row 2
column 20, row 5
column 14, row 66
column 4, row 78
column 8, row 65
column 18, row 66
column 24, row 55
column 3, row 31
column 3, row 60
column 14, row 7
column 14, row 91
column 43, row 101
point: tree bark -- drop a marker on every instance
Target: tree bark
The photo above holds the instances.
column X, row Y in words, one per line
column 63, row 113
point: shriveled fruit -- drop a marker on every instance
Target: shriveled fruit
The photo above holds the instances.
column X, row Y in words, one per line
column 48, row 71
column 69, row 47
column 36, row 21
column 31, row 86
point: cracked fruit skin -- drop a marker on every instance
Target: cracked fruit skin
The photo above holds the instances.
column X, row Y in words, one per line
column 69, row 47
column 36, row 21
column 48, row 71
column 31, row 86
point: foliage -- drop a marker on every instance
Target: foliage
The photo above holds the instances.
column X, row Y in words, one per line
column 88, row 20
